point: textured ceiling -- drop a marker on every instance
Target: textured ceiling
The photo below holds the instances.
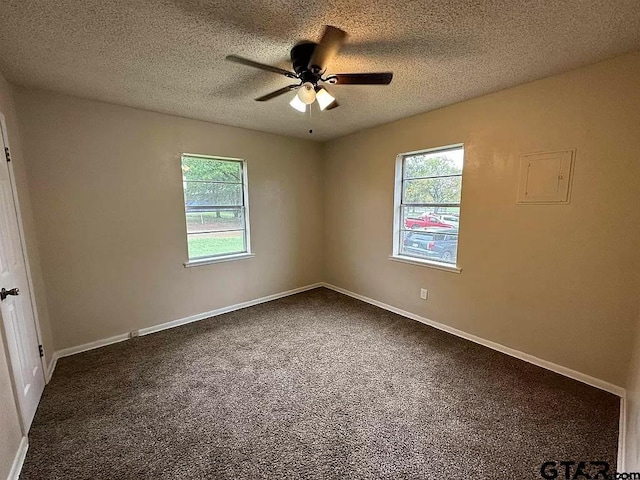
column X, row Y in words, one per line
column 168, row 55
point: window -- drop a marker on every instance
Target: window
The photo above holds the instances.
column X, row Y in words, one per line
column 216, row 208
column 427, row 206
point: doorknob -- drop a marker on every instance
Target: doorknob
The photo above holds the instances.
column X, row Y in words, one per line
column 5, row 293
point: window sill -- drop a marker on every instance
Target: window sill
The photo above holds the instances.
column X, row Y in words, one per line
column 226, row 258
column 426, row 263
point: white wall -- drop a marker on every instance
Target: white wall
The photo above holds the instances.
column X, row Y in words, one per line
column 554, row 281
column 106, row 187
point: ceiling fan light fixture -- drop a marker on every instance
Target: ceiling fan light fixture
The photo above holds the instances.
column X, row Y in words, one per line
column 324, row 98
column 309, row 61
column 298, row 104
column 307, row 93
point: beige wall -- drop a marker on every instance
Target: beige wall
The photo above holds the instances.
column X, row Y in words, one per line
column 554, row 281
column 106, row 188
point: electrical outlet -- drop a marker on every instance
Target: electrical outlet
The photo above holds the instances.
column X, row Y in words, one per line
column 424, row 293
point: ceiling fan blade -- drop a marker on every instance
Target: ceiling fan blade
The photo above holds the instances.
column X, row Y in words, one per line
column 329, row 45
column 361, row 78
column 261, row 66
column 277, row 93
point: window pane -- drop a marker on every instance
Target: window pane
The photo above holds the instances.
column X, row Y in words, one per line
column 429, row 210
column 214, row 244
column 212, row 194
column 452, row 219
column 434, row 164
column 432, row 190
column 420, row 218
column 208, row 169
column 215, row 219
column 429, row 245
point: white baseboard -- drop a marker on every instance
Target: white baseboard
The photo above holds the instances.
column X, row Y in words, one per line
column 18, row 461
column 220, row 311
column 567, row 372
column 65, row 352
column 622, row 435
column 175, row 323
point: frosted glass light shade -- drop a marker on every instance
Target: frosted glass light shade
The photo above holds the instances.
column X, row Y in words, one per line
column 298, row 104
column 324, row 98
column 307, row 94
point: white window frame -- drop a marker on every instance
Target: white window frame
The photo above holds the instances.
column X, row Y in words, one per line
column 247, row 228
column 397, row 215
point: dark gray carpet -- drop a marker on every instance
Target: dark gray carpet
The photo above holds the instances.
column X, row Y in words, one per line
column 316, row 385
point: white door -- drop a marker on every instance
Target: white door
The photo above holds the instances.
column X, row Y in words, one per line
column 15, row 306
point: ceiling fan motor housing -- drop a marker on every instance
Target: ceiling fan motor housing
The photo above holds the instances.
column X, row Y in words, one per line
column 300, row 57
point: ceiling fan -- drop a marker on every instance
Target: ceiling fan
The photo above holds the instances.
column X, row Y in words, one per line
column 309, row 61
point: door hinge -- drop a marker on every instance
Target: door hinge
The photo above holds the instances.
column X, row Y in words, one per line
column 41, row 351
column 7, row 154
